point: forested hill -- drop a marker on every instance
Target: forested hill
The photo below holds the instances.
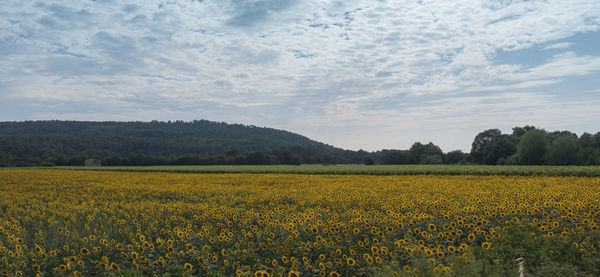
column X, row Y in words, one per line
column 179, row 142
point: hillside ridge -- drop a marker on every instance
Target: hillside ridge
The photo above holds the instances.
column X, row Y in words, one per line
column 106, row 140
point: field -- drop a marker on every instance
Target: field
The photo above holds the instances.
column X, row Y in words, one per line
column 589, row 171
column 109, row 223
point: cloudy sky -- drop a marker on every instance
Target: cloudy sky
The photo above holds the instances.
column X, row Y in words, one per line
column 354, row 74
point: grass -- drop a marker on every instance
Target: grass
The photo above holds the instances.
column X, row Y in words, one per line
column 587, row 171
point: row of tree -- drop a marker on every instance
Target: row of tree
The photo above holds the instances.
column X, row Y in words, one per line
column 419, row 154
column 291, row 155
column 203, row 142
column 524, row 146
column 533, row 146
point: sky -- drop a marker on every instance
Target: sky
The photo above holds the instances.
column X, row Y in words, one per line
column 354, row 74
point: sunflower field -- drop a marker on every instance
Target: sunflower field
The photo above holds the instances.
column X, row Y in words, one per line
column 106, row 223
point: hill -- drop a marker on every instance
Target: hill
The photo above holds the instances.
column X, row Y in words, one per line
column 148, row 143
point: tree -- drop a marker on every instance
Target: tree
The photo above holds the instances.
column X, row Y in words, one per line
column 481, row 141
column 430, row 159
column 296, row 160
column 532, row 147
column 586, row 140
column 258, row 157
column 395, row 157
column 456, row 156
column 418, row 151
column 590, row 156
column 564, row 150
column 557, row 134
column 500, row 148
column 519, row 131
column 597, row 140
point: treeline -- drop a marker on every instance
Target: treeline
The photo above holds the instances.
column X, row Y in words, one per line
column 524, row 146
column 202, row 142
column 283, row 155
column 533, row 146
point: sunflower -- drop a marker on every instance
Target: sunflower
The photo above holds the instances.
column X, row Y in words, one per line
column 188, row 266
column 378, row 259
column 486, row 245
column 350, row 262
column 159, row 263
column 105, row 261
column 368, row 258
column 428, row 252
column 431, row 227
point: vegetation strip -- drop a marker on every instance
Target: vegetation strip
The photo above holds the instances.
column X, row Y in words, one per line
column 583, row 171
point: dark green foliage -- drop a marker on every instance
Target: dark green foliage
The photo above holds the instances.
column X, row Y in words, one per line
column 564, row 150
column 455, row 157
column 597, row 140
column 532, row 147
column 500, row 148
column 417, row 154
column 431, row 159
column 586, row 140
column 492, row 147
column 481, row 141
column 395, row 157
column 519, row 131
column 425, row 153
column 590, row 156
column 69, row 143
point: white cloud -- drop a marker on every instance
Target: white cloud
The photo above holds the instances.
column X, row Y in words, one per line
column 333, row 61
column 560, row 65
column 561, row 45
